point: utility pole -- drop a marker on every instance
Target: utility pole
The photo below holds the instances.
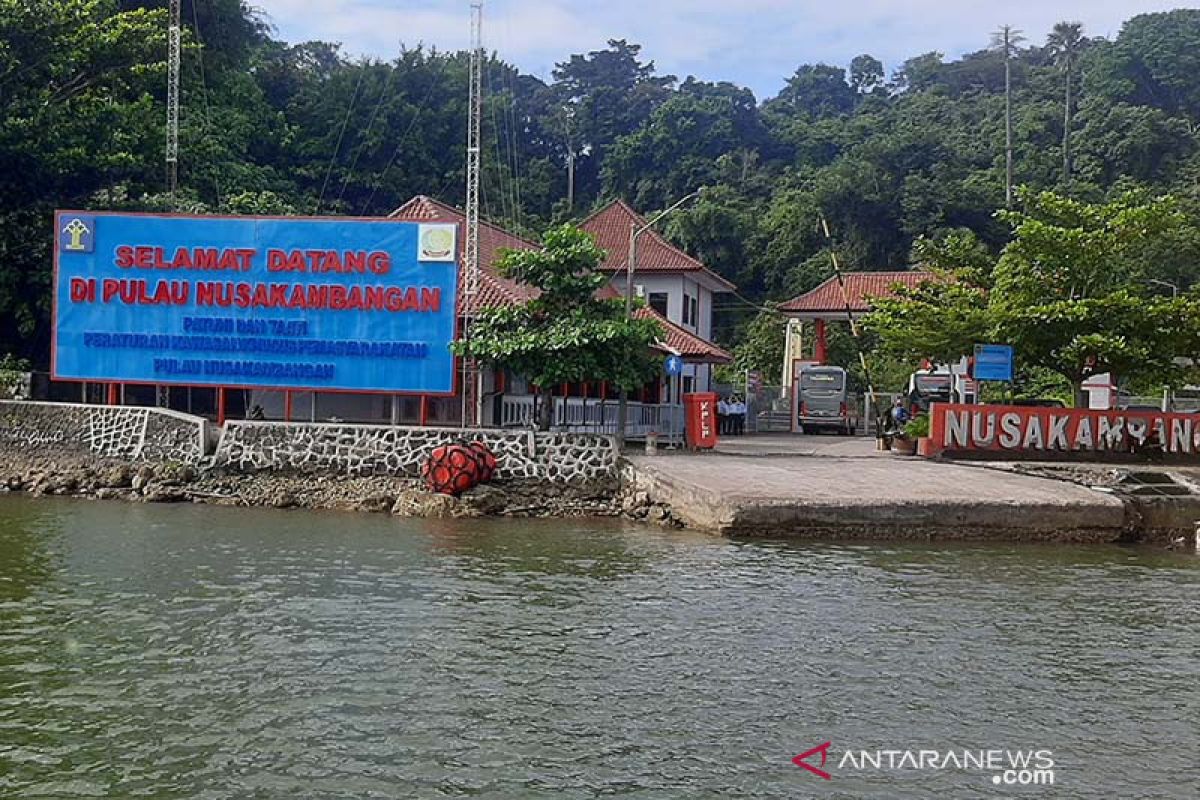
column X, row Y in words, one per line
column 854, row 331
column 570, row 177
column 173, row 102
column 470, row 273
column 1007, row 39
column 634, row 233
column 1007, row 119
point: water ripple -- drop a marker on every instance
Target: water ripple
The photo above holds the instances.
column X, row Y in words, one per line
column 212, row 653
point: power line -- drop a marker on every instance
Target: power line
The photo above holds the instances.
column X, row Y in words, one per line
column 338, row 146
column 505, row 204
column 400, row 142
column 204, row 90
column 384, row 94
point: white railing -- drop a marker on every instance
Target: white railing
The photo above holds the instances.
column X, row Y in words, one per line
column 592, row 415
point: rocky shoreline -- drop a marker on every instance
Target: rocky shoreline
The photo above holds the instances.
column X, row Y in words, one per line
column 113, row 479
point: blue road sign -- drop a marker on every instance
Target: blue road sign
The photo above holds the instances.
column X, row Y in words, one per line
column 993, row 362
column 673, row 365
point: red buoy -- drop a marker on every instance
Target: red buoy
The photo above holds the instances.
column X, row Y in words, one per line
column 452, row 469
column 486, row 459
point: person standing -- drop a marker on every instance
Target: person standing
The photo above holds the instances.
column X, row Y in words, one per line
column 738, row 415
column 900, row 415
column 722, row 416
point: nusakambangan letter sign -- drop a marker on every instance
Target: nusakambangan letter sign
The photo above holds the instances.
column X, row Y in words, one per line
column 285, row 303
column 1043, row 431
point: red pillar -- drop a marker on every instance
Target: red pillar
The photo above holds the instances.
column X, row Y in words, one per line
column 287, row 405
column 822, row 344
column 112, row 394
column 424, row 409
column 220, row 405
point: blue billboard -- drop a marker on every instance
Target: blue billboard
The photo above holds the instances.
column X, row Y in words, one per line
column 283, row 303
column 993, row 362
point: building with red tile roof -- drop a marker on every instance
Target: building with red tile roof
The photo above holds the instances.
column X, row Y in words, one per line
column 663, row 262
column 611, row 225
column 675, row 284
column 689, row 346
column 830, row 300
column 860, row 287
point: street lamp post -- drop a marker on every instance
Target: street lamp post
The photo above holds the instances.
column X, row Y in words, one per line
column 634, row 233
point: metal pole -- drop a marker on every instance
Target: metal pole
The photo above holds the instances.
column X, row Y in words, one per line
column 173, row 57
column 862, row 358
column 1008, row 150
column 634, row 232
column 623, row 401
column 570, row 177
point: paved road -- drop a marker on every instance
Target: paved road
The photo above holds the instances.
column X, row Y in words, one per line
column 795, row 444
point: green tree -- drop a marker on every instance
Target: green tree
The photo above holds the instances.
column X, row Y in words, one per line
column 816, row 91
column 610, row 93
column 79, row 81
column 1153, row 62
column 940, row 320
column 920, row 72
column 759, row 348
column 566, row 334
column 1067, row 293
column 866, row 73
column 681, row 146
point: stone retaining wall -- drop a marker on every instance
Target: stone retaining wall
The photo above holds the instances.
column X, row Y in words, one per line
column 134, row 433
column 248, row 446
column 126, row 432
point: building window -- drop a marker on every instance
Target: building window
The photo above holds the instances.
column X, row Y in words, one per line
column 688, row 308
column 689, row 384
column 695, row 311
column 658, row 301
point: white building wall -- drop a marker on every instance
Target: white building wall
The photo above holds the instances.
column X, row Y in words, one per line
column 676, row 286
column 704, row 329
column 671, row 285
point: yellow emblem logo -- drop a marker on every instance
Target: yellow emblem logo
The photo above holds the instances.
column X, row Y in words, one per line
column 75, row 230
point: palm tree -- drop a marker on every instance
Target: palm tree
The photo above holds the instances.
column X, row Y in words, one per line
column 1064, row 43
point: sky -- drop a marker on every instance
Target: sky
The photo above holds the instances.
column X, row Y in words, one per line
column 754, row 43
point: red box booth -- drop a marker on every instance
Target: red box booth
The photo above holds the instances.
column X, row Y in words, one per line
column 700, row 409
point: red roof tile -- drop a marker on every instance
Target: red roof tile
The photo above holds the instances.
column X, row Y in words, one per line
column 692, row 347
column 493, row 289
column 860, row 286
column 610, row 225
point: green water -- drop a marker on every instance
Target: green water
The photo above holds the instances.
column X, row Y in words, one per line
column 183, row 651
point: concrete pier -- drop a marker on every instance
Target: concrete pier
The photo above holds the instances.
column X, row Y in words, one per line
column 824, row 487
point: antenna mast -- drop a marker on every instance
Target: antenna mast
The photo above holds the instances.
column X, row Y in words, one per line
column 162, row 396
column 173, row 101
column 470, row 288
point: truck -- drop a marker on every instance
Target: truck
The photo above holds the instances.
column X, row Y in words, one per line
column 926, row 386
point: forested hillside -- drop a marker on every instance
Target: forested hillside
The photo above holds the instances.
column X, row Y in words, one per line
column 269, row 126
